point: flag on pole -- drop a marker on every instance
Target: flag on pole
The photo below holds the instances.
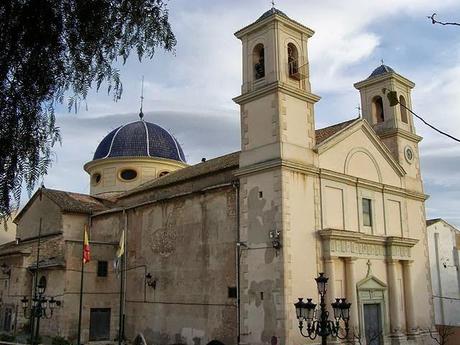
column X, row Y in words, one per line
column 120, row 251
column 86, row 250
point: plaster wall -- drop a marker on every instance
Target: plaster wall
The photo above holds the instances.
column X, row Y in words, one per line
column 8, row 230
column 355, row 155
column 28, row 224
column 188, row 246
column 443, row 254
column 301, row 247
column 260, row 118
column 262, row 273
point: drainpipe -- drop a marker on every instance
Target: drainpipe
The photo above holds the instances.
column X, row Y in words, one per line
column 236, row 185
column 438, row 269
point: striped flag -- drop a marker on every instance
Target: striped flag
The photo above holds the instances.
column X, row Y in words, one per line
column 86, row 251
column 120, row 252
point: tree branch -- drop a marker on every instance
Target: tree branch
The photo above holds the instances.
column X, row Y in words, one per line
column 434, row 21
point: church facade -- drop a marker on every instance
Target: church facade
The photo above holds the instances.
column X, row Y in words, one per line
column 219, row 252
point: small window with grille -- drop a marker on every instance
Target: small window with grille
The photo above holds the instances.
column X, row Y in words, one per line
column 231, row 292
column 102, row 268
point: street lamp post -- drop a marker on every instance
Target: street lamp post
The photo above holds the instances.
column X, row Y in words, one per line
column 320, row 325
column 42, row 308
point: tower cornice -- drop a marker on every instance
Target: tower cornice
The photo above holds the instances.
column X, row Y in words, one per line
column 278, row 87
column 258, row 24
column 402, row 133
column 387, row 76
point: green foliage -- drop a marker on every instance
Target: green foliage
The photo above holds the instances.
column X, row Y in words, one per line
column 7, row 337
column 36, row 340
column 60, row 341
column 51, row 48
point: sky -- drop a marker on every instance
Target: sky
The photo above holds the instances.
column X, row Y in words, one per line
column 190, row 92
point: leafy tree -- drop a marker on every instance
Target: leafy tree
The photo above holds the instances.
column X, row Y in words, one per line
column 53, row 48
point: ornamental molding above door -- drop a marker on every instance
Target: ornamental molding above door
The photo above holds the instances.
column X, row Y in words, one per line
column 343, row 243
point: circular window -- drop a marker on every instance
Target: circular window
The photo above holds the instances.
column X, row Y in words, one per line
column 408, row 154
column 96, row 178
column 128, row 174
column 163, row 173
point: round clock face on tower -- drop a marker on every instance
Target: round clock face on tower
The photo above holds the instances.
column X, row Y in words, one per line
column 409, row 154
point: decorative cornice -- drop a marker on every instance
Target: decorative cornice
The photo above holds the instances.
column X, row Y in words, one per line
column 258, row 24
column 346, row 243
column 402, row 133
column 276, row 87
column 329, row 174
column 390, row 75
column 136, row 159
column 276, row 163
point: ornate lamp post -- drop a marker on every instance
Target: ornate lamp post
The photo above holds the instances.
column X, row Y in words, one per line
column 42, row 308
column 320, row 325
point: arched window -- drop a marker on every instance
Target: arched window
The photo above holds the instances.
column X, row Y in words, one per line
column 163, row 173
column 402, row 109
column 293, row 60
column 215, row 342
column 377, row 110
column 259, row 61
column 96, row 178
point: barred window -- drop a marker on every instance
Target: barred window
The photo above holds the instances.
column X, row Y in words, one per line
column 102, row 268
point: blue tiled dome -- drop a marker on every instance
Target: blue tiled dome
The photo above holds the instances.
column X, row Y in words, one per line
column 140, row 139
column 270, row 12
column 382, row 69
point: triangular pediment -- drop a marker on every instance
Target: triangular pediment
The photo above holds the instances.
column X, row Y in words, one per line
column 371, row 283
column 356, row 150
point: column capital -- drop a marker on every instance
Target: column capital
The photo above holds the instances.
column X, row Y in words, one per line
column 407, row 262
column 351, row 259
column 330, row 259
column 392, row 261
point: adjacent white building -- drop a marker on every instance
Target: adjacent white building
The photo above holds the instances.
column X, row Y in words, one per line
column 444, row 250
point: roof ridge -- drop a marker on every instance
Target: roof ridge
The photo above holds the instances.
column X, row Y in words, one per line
column 339, row 123
column 324, row 133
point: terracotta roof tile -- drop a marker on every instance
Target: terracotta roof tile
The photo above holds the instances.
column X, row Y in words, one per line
column 432, row 221
column 69, row 202
column 327, row 132
column 208, row 167
column 75, row 202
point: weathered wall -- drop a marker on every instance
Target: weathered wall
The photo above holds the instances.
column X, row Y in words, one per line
column 187, row 244
column 28, row 224
column 8, row 230
column 445, row 276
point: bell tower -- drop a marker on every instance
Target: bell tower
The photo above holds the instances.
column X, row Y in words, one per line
column 277, row 119
column 277, row 197
column 393, row 124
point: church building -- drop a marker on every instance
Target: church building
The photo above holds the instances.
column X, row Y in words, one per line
column 218, row 252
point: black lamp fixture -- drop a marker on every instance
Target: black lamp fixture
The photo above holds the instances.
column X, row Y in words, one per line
column 150, row 281
column 40, row 306
column 6, row 270
column 318, row 324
